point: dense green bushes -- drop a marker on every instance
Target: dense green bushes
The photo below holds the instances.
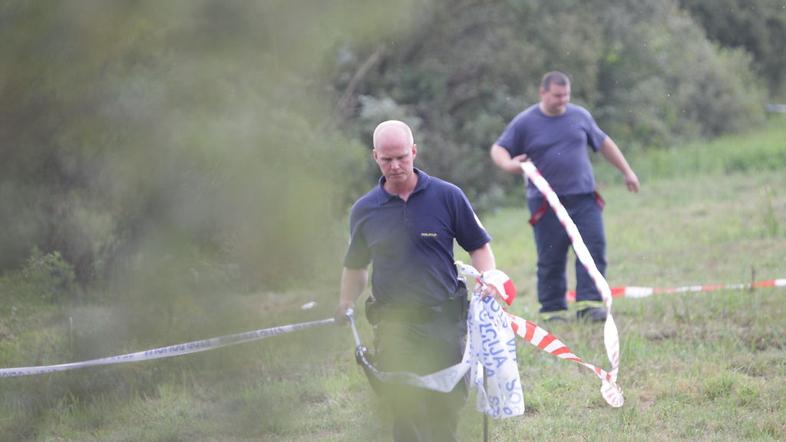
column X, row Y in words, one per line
column 758, row 26
column 49, row 276
column 463, row 70
column 226, row 140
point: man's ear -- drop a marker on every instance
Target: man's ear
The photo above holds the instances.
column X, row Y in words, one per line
column 414, row 150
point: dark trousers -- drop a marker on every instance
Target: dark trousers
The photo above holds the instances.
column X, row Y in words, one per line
column 552, row 242
column 421, row 348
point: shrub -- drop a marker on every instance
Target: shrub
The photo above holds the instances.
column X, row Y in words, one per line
column 49, row 276
column 464, row 69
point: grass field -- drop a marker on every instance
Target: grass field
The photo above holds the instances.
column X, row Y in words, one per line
column 701, row 366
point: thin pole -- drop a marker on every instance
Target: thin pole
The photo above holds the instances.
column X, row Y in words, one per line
column 485, row 416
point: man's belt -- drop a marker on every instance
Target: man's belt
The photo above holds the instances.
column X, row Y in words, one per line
column 544, row 207
column 453, row 308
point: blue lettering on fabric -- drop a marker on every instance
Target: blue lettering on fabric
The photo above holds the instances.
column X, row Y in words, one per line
column 493, row 343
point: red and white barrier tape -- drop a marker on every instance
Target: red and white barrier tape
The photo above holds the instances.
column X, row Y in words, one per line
column 541, row 338
column 643, row 292
column 538, row 336
column 610, row 334
column 166, row 352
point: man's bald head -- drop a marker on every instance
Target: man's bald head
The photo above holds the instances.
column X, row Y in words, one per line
column 395, row 151
column 392, row 132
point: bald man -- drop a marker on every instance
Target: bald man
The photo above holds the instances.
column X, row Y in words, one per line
column 406, row 226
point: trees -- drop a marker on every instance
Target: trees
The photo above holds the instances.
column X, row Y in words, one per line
column 758, row 26
column 141, row 134
column 466, row 68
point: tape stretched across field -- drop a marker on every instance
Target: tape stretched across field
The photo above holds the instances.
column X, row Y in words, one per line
column 643, row 292
column 166, row 352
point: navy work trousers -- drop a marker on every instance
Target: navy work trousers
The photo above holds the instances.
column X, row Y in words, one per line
column 552, row 242
column 422, row 345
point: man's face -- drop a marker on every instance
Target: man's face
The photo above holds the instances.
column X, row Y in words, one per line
column 555, row 100
column 395, row 158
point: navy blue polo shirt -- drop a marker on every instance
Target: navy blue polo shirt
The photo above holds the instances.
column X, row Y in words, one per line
column 410, row 243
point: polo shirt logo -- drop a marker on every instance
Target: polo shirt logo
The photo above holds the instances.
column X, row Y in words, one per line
column 428, row 235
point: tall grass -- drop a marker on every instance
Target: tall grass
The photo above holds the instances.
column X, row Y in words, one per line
column 707, row 366
column 761, row 149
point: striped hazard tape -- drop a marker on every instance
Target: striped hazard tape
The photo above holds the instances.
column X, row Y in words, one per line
column 643, row 292
column 611, row 339
column 538, row 336
column 541, row 338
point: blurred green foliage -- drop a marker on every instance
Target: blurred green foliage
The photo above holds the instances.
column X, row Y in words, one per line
column 160, row 147
column 49, row 276
column 141, row 137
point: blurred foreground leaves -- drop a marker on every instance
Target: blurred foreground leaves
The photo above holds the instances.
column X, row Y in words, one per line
column 192, row 133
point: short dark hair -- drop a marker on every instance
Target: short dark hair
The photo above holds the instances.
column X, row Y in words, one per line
column 554, row 77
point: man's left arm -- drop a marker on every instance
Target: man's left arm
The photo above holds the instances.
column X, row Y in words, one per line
column 483, row 258
column 614, row 155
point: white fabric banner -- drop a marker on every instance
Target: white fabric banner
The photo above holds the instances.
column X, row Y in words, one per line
column 491, row 347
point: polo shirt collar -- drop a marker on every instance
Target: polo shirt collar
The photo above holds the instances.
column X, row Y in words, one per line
column 384, row 197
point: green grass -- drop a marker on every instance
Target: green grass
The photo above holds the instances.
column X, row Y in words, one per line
column 761, row 149
column 701, row 366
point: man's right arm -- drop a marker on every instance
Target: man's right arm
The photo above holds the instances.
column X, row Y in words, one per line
column 613, row 155
column 353, row 282
column 502, row 159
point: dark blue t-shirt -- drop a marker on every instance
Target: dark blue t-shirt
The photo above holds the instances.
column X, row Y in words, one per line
column 411, row 243
column 557, row 146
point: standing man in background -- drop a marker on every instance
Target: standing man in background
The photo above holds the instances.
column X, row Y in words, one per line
column 405, row 227
column 554, row 135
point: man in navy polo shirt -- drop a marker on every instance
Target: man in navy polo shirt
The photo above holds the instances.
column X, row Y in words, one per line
column 554, row 135
column 405, row 228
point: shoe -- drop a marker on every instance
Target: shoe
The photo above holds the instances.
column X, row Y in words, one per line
column 555, row 316
column 593, row 314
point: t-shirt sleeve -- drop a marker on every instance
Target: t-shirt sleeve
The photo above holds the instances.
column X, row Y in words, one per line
column 358, row 254
column 595, row 136
column 470, row 233
column 508, row 140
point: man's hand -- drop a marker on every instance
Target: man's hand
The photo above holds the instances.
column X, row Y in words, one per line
column 614, row 156
column 341, row 313
column 514, row 166
column 503, row 160
column 632, row 181
column 486, row 291
column 353, row 282
column 498, row 283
